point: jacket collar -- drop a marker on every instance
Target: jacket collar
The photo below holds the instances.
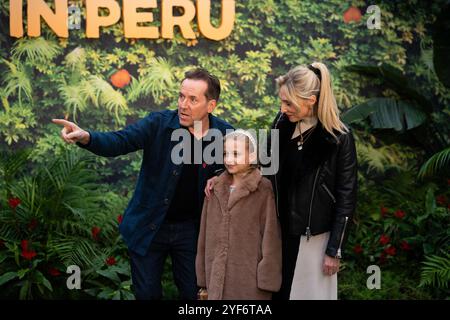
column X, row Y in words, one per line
column 325, row 135
column 282, row 122
column 174, row 122
column 222, row 188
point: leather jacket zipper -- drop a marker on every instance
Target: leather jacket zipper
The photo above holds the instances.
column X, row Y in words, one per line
column 276, row 182
column 329, row 192
column 338, row 254
column 308, row 228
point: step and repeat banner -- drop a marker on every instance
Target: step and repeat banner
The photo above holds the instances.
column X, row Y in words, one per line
column 83, row 197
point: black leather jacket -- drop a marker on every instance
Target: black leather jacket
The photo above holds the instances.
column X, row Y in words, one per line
column 325, row 197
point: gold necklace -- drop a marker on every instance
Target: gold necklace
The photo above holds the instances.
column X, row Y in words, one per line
column 303, row 139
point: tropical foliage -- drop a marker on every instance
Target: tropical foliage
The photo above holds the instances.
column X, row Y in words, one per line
column 60, row 206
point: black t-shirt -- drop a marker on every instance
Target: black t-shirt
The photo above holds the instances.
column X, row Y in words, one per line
column 185, row 203
column 292, row 168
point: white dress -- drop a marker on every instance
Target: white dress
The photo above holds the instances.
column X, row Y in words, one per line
column 310, row 283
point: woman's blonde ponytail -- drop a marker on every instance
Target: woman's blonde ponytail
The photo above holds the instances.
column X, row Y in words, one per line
column 327, row 109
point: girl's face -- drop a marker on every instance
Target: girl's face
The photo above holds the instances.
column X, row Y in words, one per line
column 296, row 111
column 237, row 158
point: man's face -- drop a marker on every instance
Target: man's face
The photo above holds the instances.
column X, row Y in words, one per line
column 192, row 102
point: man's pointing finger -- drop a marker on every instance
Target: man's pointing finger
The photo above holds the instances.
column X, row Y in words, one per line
column 62, row 122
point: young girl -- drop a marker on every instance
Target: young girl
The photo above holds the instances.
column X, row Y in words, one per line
column 239, row 246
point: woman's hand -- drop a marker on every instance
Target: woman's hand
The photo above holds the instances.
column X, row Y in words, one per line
column 330, row 265
column 209, row 186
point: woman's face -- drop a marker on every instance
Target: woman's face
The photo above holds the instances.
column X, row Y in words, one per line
column 296, row 112
column 236, row 155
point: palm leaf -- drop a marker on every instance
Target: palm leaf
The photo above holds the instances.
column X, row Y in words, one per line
column 106, row 96
column 155, row 79
column 73, row 98
column 17, row 80
column 28, row 191
column 76, row 58
column 377, row 159
column 436, row 271
column 387, row 113
column 73, row 196
column 394, row 79
column 12, row 163
column 437, row 162
column 8, row 230
column 36, row 50
column 74, row 250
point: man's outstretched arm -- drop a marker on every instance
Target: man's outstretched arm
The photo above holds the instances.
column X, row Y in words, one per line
column 109, row 144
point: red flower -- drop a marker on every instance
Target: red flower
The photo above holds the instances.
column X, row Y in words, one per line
column 442, row 200
column 382, row 258
column 390, row 251
column 404, row 245
column 29, row 255
column 352, row 14
column 33, row 224
column 95, row 232
column 54, row 272
column 384, row 239
column 399, row 214
column 448, row 182
column 384, row 211
column 121, row 78
column 24, row 245
column 111, row 261
column 119, row 218
column 13, row 202
column 358, row 249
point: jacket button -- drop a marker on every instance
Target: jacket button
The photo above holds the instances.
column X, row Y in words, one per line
column 152, row 226
column 175, row 172
column 166, row 201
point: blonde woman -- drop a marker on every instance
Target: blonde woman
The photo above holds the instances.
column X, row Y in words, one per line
column 315, row 187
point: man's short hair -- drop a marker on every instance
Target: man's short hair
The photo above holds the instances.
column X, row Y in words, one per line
column 213, row 90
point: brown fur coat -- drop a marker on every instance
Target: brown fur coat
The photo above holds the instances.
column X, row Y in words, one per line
column 239, row 246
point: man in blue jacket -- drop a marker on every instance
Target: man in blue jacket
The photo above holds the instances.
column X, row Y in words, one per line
column 163, row 215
